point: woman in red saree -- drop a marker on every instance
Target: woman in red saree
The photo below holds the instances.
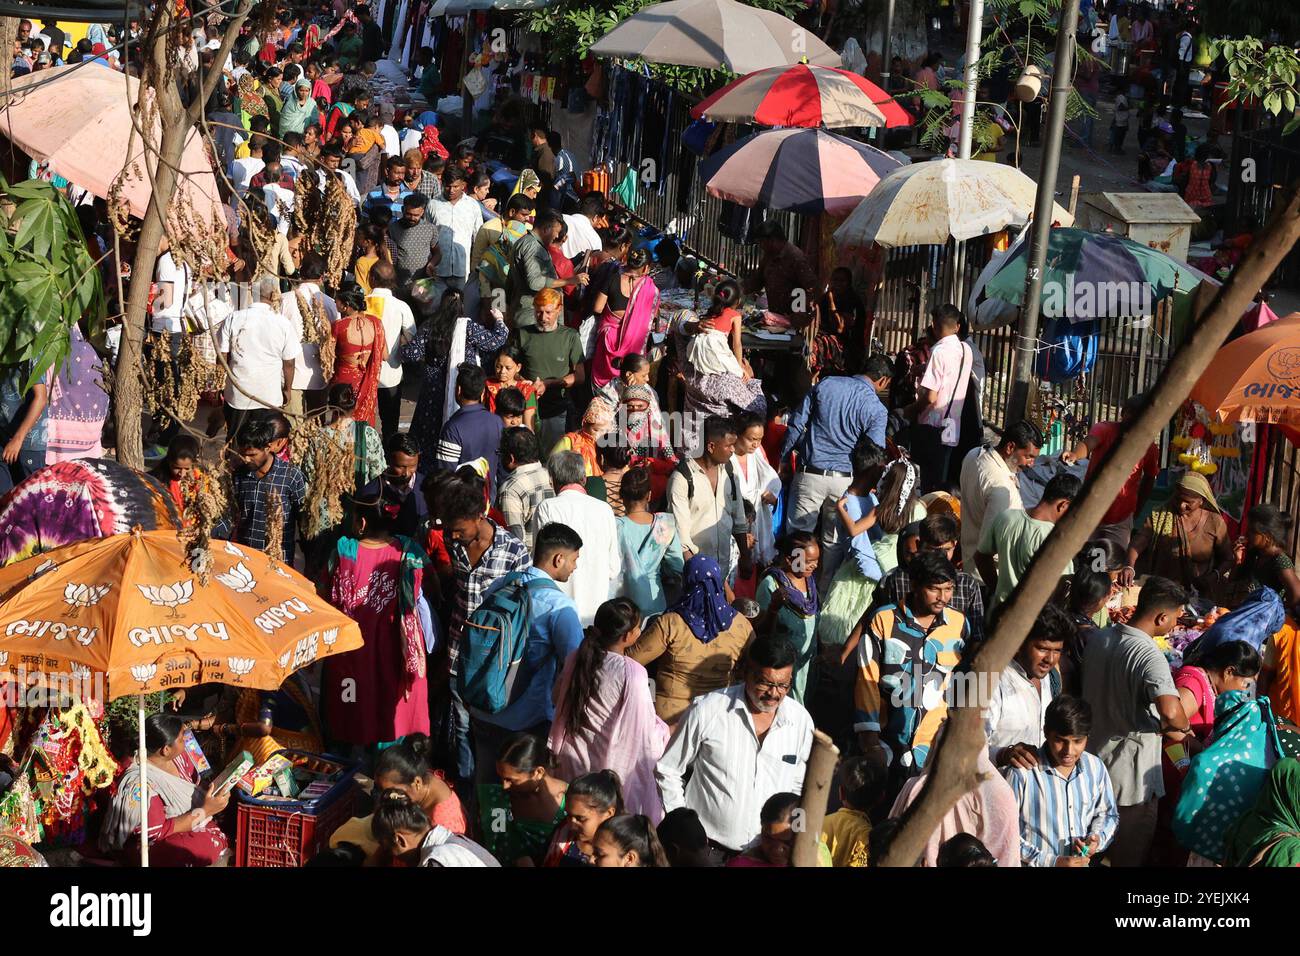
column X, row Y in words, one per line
column 626, row 307
column 359, row 352
column 182, row 832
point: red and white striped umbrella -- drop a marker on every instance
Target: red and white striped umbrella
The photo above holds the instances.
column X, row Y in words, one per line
column 803, row 95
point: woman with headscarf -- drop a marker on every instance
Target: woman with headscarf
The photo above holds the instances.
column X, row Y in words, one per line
column 251, row 102
column 1268, row 834
column 595, row 423
column 1188, row 542
column 528, row 183
column 643, row 425
column 698, row 641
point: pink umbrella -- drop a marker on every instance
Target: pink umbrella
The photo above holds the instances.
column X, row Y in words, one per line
column 804, row 170
column 79, row 120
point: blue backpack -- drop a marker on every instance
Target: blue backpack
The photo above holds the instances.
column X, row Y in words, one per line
column 493, row 644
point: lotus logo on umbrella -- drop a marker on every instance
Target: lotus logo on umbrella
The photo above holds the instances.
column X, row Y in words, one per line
column 240, row 580
column 240, row 666
column 329, row 636
column 77, row 596
column 170, row 596
column 1285, row 363
column 231, row 549
column 79, row 672
column 4, row 658
column 284, row 658
column 144, row 672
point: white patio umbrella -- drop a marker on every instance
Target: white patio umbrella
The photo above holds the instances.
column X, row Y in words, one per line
column 79, row 119
column 714, row 34
column 930, row 203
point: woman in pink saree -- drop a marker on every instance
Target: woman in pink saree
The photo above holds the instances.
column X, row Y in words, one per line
column 626, row 307
column 605, row 717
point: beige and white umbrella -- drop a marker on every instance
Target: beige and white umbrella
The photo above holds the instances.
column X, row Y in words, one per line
column 930, row 203
column 714, row 34
column 79, row 119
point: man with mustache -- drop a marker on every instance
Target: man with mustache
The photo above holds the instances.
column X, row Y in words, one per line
column 741, row 744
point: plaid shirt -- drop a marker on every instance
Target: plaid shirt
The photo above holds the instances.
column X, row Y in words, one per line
column 250, row 503
column 506, row 553
column 966, row 598
column 520, row 494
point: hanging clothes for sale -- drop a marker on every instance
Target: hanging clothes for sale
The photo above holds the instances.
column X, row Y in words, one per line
column 1066, row 350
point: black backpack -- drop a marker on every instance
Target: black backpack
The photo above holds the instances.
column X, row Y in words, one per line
column 683, row 468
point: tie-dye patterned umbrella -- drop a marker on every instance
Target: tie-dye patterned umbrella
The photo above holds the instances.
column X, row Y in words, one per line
column 71, row 501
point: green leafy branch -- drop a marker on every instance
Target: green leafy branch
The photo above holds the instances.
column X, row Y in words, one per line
column 48, row 280
column 1264, row 73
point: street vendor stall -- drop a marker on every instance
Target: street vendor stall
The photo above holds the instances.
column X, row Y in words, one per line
column 136, row 613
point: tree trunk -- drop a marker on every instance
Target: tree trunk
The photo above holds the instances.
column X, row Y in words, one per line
column 952, row 770
column 161, row 170
column 816, row 793
column 176, row 122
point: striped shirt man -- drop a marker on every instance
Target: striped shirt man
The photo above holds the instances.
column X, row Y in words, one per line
column 903, row 675
column 506, row 553
column 1056, row 808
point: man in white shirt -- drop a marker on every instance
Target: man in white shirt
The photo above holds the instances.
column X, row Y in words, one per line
column 740, row 745
column 458, row 218
column 206, row 311
column 330, row 158
column 705, row 499
column 583, row 236
column 392, row 142
column 990, row 486
column 941, row 396
column 242, row 171
column 174, row 285
column 1013, row 718
column 309, row 384
column 399, row 328
column 1185, row 53
column 261, row 347
column 599, row 572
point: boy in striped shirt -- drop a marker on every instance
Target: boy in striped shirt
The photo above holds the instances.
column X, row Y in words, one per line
column 1067, row 806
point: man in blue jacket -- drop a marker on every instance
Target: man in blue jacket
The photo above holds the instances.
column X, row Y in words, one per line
column 472, row 432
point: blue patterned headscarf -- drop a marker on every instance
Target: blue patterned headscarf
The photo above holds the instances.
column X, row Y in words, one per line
column 703, row 605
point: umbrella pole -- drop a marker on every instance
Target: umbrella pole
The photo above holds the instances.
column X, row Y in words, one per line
column 144, row 784
column 1027, row 340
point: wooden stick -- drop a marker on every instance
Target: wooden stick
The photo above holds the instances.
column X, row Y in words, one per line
column 816, row 793
column 1074, row 194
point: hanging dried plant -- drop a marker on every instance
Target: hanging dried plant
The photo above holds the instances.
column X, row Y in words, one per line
column 327, row 343
column 274, row 525
column 328, row 463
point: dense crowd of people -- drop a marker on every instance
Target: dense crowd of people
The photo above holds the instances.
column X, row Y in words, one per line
column 618, row 567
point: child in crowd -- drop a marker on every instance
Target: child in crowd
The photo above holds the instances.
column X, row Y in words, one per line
column 402, row 827
column 684, row 841
column 590, row 800
column 847, row 832
column 1067, row 805
column 628, row 840
column 775, row 844
column 511, row 407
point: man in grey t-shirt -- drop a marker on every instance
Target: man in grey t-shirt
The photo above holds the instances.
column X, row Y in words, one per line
column 1136, row 711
